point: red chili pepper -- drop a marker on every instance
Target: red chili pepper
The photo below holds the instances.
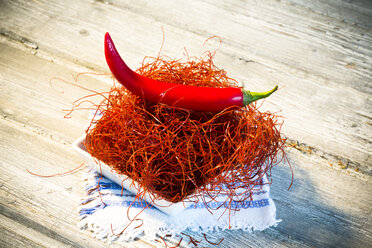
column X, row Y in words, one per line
column 183, row 96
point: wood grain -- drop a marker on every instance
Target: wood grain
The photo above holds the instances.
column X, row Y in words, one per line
column 322, row 64
column 320, row 53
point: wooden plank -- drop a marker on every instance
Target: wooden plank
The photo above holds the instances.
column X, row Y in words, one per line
column 45, row 206
column 317, row 32
column 326, row 103
column 308, row 196
column 35, row 136
column 324, row 208
column 27, row 233
column 305, row 202
column 356, row 12
column 323, row 63
column 29, row 97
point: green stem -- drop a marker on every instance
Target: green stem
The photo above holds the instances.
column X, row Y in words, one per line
column 249, row 97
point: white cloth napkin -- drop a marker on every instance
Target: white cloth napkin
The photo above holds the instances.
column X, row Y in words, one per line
column 105, row 211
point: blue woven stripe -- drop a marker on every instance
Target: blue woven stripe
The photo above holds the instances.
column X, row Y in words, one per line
column 125, row 198
column 234, row 205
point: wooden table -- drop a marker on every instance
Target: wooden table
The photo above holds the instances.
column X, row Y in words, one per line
column 320, row 54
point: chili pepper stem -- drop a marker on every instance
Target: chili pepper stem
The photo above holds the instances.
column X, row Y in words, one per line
column 249, row 97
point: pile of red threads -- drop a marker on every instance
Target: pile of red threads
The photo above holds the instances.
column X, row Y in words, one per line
column 175, row 153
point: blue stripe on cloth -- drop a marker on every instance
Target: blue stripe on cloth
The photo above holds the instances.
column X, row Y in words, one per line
column 86, row 211
column 103, row 204
column 234, row 205
column 212, row 205
column 115, row 196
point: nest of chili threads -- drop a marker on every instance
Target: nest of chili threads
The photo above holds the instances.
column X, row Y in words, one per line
column 175, row 153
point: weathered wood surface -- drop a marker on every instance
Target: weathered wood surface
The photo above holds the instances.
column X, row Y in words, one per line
column 320, row 53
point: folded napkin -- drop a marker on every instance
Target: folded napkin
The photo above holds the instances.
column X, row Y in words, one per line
column 107, row 210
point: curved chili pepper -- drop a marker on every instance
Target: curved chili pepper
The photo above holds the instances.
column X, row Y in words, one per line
column 184, row 96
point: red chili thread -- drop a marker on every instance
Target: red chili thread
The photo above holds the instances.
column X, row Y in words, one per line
column 57, row 174
column 175, row 152
column 191, row 239
column 166, row 244
column 131, row 220
column 217, row 243
column 85, row 99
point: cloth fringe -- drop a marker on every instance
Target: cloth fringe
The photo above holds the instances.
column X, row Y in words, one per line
column 107, row 210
